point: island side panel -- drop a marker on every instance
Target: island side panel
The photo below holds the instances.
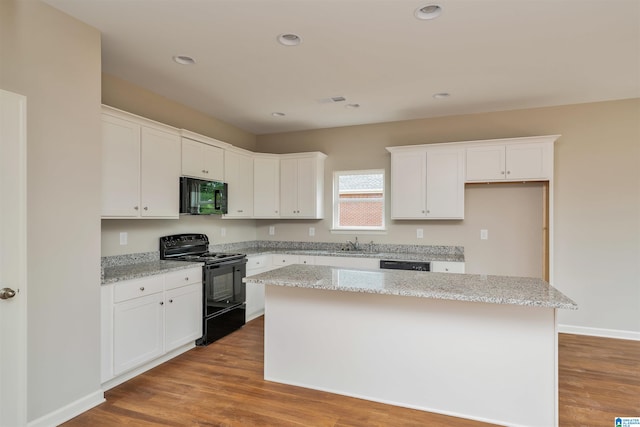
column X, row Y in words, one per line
column 489, row 362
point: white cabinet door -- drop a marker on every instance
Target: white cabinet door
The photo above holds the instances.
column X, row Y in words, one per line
column 528, row 161
column 427, row 184
column 302, row 187
column 307, row 188
column 183, row 315
column 266, row 187
column 509, row 162
column 138, row 332
column 485, row 163
column 288, row 188
column 447, row 267
column 445, row 184
column 120, row 167
column 160, row 174
column 238, row 170
column 408, row 181
column 201, row 160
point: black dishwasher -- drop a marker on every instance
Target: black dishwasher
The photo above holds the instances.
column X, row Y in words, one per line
column 405, row 265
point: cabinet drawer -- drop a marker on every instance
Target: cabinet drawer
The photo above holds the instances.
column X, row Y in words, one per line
column 258, row 262
column 179, row 278
column 285, row 259
column 138, row 288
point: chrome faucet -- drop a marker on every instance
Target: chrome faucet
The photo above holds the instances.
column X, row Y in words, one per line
column 355, row 246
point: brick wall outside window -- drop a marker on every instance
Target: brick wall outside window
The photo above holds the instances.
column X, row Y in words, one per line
column 361, row 209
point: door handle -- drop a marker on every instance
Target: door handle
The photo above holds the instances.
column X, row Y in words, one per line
column 7, row 293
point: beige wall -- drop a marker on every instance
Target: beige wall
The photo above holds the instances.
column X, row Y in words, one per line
column 597, row 200
column 54, row 61
column 143, row 234
column 126, row 96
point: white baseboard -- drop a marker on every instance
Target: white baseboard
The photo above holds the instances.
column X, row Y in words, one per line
column 73, row 409
column 599, row 332
column 107, row 385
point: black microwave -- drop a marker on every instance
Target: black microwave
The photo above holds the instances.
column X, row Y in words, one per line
column 200, row 197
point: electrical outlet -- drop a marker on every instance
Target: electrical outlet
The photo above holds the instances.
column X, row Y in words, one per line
column 420, row 233
column 223, row 231
column 312, row 231
column 484, row 234
column 124, row 237
column 272, row 230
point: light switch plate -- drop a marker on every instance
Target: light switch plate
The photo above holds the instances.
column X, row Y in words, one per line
column 124, row 238
column 223, row 231
column 312, row 231
column 420, row 233
column 272, row 230
column 484, row 234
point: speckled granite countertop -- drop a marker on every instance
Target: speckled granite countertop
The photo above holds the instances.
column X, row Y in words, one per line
column 118, row 273
column 459, row 287
column 407, row 256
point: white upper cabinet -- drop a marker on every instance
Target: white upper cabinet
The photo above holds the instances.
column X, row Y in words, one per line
column 302, row 185
column 238, row 174
column 266, row 186
column 201, row 160
column 202, row 157
column 140, row 167
column 427, row 183
column 514, row 159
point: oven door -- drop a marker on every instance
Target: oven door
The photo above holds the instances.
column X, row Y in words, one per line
column 223, row 287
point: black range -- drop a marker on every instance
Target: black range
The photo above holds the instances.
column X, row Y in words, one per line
column 224, row 295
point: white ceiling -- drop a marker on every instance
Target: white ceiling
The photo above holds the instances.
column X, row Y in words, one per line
column 490, row 55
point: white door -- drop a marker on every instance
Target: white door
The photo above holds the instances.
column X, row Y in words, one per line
column 13, row 250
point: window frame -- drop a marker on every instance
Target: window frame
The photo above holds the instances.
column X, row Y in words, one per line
column 336, row 202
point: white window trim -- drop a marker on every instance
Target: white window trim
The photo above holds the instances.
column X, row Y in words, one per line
column 336, row 228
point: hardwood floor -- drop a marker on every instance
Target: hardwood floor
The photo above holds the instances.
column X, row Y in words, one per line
column 222, row 385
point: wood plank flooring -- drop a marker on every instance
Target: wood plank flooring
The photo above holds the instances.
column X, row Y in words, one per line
column 222, row 385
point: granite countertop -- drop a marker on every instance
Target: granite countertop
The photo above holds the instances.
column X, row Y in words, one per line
column 522, row 291
column 406, row 256
column 118, row 273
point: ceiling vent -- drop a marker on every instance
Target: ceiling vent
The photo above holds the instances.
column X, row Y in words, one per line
column 332, row 100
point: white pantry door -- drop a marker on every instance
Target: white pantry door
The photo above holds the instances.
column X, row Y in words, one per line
column 13, row 264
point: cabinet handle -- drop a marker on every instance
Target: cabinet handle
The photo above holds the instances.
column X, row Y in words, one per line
column 135, row 207
column 161, row 302
column 240, row 210
column 276, row 211
column 204, row 171
column 502, row 173
column 146, row 208
column 142, row 288
column 186, row 279
column 422, row 211
column 170, row 300
column 446, row 269
column 508, row 172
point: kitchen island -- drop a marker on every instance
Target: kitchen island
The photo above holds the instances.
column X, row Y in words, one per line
column 472, row 346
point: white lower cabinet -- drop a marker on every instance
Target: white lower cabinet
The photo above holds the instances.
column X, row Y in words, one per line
column 138, row 334
column 144, row 319
column 255, row 291
column 348, row 262
column 447, row 267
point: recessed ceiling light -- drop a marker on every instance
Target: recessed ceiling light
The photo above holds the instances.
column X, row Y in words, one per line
column 184, row 60
column 278, row 114
column 441, row 95
column 352, row 106
column 289, row 39
column 428, row 12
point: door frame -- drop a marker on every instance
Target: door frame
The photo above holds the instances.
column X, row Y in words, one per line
column 13, row 177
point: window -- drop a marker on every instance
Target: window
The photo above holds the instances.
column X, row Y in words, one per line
column 358, row 200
